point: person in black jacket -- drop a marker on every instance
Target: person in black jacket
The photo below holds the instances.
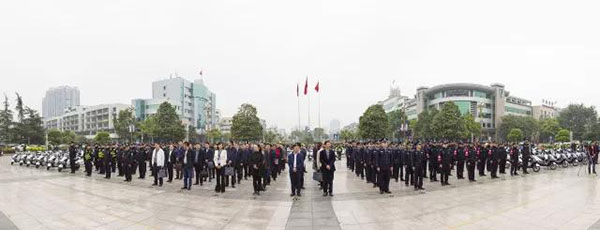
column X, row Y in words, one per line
column 408, row 156
column 199, row 162
column 107, row 161
column 419, row 158
column 502, row 158
column 446, row 162
column 188, row 166
column 494, row 159
column 328, row 158
column 87, row 160
column 171, row 158
column 471, row 158
column 255, row 163
column 514, row 160
column 384, row 167
column 526, row 153
column 72, row 153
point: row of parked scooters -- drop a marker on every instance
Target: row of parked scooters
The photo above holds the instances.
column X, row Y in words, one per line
column 551, row 159
column 49, row 159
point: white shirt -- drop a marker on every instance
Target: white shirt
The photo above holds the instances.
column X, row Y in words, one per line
column 295, row 156
column 220, row 157
column 158, row 157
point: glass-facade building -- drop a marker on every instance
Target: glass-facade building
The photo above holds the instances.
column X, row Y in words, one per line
column 487, row 104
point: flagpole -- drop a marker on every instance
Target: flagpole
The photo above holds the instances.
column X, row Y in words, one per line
column 319, row 108
column 308, row 97
column 298, row 97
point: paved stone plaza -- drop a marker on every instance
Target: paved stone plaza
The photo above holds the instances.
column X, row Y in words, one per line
column 38, row 199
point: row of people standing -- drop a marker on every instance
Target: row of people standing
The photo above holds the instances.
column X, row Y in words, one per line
column 380, row 162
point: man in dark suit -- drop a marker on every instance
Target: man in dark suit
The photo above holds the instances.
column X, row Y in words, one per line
column 328, row 168
column 232, row 161
column 72, row 153
column 171, row 158
column 384, row 160
column 188, row 166
column 296, row 165
column 198, row 163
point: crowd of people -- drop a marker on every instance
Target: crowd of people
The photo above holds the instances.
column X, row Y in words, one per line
column 376, row 162
column 226, row 163
column 379, row 162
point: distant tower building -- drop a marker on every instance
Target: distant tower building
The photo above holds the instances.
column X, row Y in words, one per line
column 334, row 128
column 58, row 99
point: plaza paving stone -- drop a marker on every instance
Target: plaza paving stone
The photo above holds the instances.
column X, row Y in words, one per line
column 33, row 198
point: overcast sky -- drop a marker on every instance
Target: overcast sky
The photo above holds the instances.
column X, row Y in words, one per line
column 257, row 51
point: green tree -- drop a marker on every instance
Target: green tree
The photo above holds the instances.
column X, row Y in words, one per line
column 515, row 135
column 563, row 135
column 168, row 124
column 68, row 137
column 528, row 125
column 227, row 136
column 6, row 122
column 245, row 125
column 303, row 136
column 471, row 126
column 373, row 124
column 193, row 135
column 397, row 118
column 149, row 127
column 214, row 135
column 319, row 134
column 32, row 127
column 593, row 133
column 448, row 123
column 271, row 137
column 102, row 138
column 578, row 118
column 548, row 129
column 55, row 137
column 423, row 126
column 348, row 135
column 122, row 123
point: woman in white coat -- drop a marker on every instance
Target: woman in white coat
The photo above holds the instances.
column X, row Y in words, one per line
column 158, row 162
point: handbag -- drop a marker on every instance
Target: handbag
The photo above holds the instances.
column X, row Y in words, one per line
column 162, row 173
column 318, row 176
column 179, row 166
column 204, row 172
column 229, row 171
column 211, row 165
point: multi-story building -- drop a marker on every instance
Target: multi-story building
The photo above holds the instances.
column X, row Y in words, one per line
column 225, row 124
column 193, row 101
column 545, row 111
column 87, row 120
column 487, row 104
column 58, row 99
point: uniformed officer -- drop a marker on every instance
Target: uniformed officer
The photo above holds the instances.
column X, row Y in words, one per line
column 481, row 154
column 419, row 159
column 384, row 167
column 471, row 158
column 369, row 163
column 526, row 152
column 433, row 162
column 360, row 161
column 460, row 161
column 87, row 160
column 141, row 161
column 494, row 157
column 396, row 162
column 409, row 157
column 502, row 158
column 107, row 161
column 514, row 160
column 446, row 163
column 128, row 154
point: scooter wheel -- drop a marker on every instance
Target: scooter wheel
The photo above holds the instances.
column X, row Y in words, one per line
column 536, row 168
column 553, row 166
column 12, row 163
column 37, row 166
column 48, row 168
column 575, row 163
column 565, row 164
column 59, row 169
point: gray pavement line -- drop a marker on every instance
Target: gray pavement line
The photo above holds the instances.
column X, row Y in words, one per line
column 10, row 225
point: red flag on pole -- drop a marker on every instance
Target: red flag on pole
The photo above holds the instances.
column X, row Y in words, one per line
column 317, row 87
column 297, row 90
column 306, row 86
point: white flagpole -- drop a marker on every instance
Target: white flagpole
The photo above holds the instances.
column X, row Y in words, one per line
column 298, row 97
column 308, row 97
column 319, row 103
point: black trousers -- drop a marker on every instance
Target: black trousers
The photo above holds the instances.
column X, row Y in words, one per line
column 107, row 166
column 155, row 170
column 120, row 167
column 396, row 171
column 514, row 166
column 170, row 170
column 481, row 167
column 494, row 168
column 384, row 179
column 256, row 177
column 471, row 170
column 445, row 173
column 502, row 165
column 220, row 180
column 360, row 170
column 419, row 171
column 127, row 171
column 113, row 166
column 88, row 168
column 327, row 181
column 592, row 164
column 246, row 173
column 409, row 177
column 197, row 170
column 142, row 168
column 433, row 170
column 525, row 163
column 295, row 178
column 460, row 168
